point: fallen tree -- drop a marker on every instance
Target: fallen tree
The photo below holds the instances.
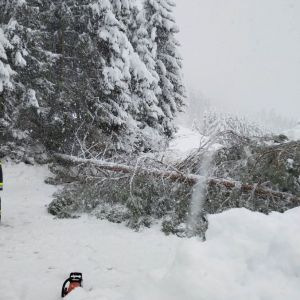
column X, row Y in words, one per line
column 261, row 175
column 188, row 179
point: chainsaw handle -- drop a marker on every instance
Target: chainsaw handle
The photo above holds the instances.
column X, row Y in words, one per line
column 63, row 290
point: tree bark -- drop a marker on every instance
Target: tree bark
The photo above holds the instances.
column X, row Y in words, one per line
column 189, row 179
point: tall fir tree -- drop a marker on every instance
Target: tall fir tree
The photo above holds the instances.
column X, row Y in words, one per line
column 5, row 69
column 147, row 90
column 162, row 29
column 6, row 83
column 88, row 74
column 25, row 24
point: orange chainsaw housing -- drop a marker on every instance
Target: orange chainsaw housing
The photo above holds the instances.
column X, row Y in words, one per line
column 73, row 285
column 73, row 282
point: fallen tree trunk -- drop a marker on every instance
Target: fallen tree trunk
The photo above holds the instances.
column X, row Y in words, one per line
column 189, row 179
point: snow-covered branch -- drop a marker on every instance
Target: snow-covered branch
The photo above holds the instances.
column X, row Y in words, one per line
column 189, row 179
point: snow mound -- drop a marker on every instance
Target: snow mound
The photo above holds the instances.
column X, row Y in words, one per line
column 247, row 256
column 294, row 133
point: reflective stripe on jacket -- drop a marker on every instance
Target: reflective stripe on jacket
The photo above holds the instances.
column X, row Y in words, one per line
column 1, row 178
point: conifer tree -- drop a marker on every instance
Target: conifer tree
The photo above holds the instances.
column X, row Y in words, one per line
column 147, row 90
column 12, row 94
column 6, row 82
column 114, row 52
column 88, row 74
column 162, row 28
column 5, row 69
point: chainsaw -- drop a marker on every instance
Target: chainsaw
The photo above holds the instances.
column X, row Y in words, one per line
column 74, row 281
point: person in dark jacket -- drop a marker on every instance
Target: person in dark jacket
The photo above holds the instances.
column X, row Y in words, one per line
column 1, row 177
column 1, row 186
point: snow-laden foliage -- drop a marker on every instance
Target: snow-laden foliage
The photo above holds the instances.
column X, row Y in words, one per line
column 199, row 109
column 21, row 23
column 162, row 29
column 6, row 71
column 258, row 174
column 213, row 123
column 137, row 199
column 6, row 80
column 91, row 76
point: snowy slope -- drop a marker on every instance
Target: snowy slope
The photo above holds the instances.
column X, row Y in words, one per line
column 184, row 142
column 38, row 252
column 247, row 255
column 294, row 133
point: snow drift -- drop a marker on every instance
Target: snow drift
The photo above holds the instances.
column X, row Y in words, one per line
column 247, row 255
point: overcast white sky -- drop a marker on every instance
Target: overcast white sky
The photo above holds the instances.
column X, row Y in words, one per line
column 243, row 54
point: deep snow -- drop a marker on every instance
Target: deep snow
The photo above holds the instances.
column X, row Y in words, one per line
column 247, row 255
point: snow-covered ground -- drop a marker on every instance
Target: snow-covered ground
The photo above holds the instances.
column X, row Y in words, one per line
column 185, row 141
column 247, row 255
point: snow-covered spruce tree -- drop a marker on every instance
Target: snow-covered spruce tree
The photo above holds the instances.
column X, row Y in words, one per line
column 69, row 92
column 119, row 67
column 162, row 28
column 214, row 123
column 11, row 97
column 82, row 81
column 98, row 74
column 5, row 69
column 24, row 24
column 6, row 74
column 118, row 57
column 146, row 91
column 128, row 81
